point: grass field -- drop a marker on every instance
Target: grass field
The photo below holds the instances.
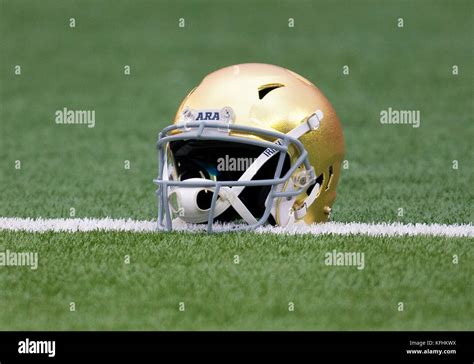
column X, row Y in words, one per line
column 390, row 166
column 164, row 270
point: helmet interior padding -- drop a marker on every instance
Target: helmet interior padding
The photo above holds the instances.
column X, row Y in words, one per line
column 226, row 161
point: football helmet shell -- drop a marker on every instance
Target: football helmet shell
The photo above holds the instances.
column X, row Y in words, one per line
column 255, row 105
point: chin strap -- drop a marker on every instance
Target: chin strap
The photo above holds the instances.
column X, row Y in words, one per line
column 230, row 195
column 301, row 211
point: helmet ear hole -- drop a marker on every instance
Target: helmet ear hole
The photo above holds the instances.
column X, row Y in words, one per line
column 204, row 199
column 331, row 173
column 319, row 181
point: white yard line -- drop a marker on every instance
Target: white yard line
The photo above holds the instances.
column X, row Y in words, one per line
column 331, row 228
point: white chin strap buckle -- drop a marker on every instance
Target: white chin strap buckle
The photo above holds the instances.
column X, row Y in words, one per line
column 315, row 119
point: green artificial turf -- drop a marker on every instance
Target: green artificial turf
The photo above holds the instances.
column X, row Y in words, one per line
column 390, row 166
column 89, row 269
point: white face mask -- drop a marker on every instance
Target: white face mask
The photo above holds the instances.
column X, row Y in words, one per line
column 191, row 199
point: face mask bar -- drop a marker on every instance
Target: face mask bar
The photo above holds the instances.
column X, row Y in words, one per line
column 210, row 130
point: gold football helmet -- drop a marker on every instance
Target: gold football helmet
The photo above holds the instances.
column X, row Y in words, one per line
column 251, row 144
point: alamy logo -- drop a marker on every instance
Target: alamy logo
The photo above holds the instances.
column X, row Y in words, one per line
column 9, row 258
column 232, row 164
column 79, row 117
column 28, row 346
column 335, row 258
column 392, row 116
